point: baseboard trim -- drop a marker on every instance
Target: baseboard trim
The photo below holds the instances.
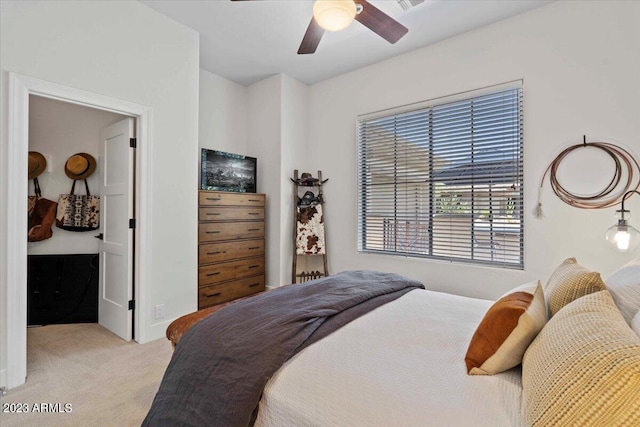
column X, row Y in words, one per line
column 155, row 331
column 3, row 378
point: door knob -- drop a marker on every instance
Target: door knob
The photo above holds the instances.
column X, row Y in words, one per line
column 99, row 236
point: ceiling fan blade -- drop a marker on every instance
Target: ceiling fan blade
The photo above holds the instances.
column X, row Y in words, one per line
column 380, row 23
column 311, row 38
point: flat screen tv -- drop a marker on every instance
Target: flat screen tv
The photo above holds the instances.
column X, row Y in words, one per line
column 222, row 171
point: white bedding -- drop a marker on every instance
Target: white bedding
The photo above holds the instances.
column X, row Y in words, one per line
column 399, row 365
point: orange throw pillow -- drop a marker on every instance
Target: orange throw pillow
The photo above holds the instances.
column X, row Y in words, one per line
column 507, row 329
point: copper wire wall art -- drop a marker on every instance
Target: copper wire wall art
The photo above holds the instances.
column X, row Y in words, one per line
column 625, row 177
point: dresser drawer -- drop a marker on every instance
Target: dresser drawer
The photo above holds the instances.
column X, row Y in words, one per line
column 230, row 199
column 226, row 214
column 216, row 294
column 216, row 231
column 225, row 251
column 215, row 273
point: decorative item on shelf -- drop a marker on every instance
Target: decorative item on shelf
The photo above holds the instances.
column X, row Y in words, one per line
column 626, row 177
column 221, row 171
column 308, row 231
column 309, row 199
column 311, row 275
column 622, row 235
column 307, row 180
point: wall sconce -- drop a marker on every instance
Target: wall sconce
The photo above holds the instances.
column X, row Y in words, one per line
column 622, row 235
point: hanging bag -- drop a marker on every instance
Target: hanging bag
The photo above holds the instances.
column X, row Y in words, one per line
column 42, row 213
column 78, row 212
column 31, row 200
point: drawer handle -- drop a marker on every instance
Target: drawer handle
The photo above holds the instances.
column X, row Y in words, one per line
column 213, row 199
column 213, row 253
column 254, row 285
column 213, row 232
column 213, row 274
column 253, row 200
column 254, row 229
column 254, row 247
column 254, row 266
column 217, row 294
column 213, row 213
column 252, row 213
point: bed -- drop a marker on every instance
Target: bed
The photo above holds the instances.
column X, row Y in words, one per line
column 402, row 362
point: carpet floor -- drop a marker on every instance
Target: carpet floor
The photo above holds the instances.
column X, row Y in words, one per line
column 83, row 375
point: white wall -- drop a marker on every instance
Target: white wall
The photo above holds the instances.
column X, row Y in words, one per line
column 60, row 130
column 264, row 135
column 223, row 114
column 123, row 50
column 277, row 136
column 293, row 155
column 580, row 62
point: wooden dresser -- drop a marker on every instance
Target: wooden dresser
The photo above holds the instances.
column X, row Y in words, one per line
column 231, row 246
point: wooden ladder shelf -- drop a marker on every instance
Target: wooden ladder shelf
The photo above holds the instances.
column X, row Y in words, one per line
column 309, row 237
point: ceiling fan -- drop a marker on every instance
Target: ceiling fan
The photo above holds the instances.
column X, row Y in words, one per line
column 335, row 15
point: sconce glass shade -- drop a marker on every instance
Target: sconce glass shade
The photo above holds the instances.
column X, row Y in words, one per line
column 623, row 237
column 334, row 15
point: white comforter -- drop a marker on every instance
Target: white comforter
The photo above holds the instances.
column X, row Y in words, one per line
column 400, row 365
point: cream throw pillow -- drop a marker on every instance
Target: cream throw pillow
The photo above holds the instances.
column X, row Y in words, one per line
column 569, row 282
column 635, row 323
column 583, row 369
column 624, row 285
column 506, row 331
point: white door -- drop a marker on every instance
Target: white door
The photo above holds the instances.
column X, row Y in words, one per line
column 116, row 247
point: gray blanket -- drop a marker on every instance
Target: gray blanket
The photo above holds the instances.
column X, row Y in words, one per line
column 221, row 365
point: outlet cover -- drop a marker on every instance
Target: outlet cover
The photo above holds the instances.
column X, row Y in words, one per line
column 159, row 311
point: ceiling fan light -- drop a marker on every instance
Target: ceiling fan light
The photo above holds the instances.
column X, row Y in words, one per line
column 334, row 15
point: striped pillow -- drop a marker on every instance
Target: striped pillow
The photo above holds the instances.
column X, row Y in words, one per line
column 569, row 282
column 583, row 369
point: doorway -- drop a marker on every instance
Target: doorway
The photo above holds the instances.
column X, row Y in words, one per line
column 76, row 271
column 15, row 304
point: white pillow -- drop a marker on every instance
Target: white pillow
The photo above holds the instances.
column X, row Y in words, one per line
column 635, row 324
column 624, row 285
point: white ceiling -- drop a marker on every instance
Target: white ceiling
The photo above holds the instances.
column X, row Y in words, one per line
column 247, row 41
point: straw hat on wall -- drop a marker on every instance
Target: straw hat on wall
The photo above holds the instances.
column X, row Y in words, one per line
column 80, row 166
column 37, row 164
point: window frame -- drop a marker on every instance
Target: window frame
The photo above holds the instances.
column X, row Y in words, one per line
column 511, row 206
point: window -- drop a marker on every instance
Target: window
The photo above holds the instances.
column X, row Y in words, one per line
column 444, row 179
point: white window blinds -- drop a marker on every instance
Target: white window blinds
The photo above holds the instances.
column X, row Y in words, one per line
column 444, row 180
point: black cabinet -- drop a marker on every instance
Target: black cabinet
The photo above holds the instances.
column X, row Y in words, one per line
column 62, row 289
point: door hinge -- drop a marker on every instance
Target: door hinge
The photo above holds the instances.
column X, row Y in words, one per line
column 133, row 142
column 132, row 223
column 132, row 304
